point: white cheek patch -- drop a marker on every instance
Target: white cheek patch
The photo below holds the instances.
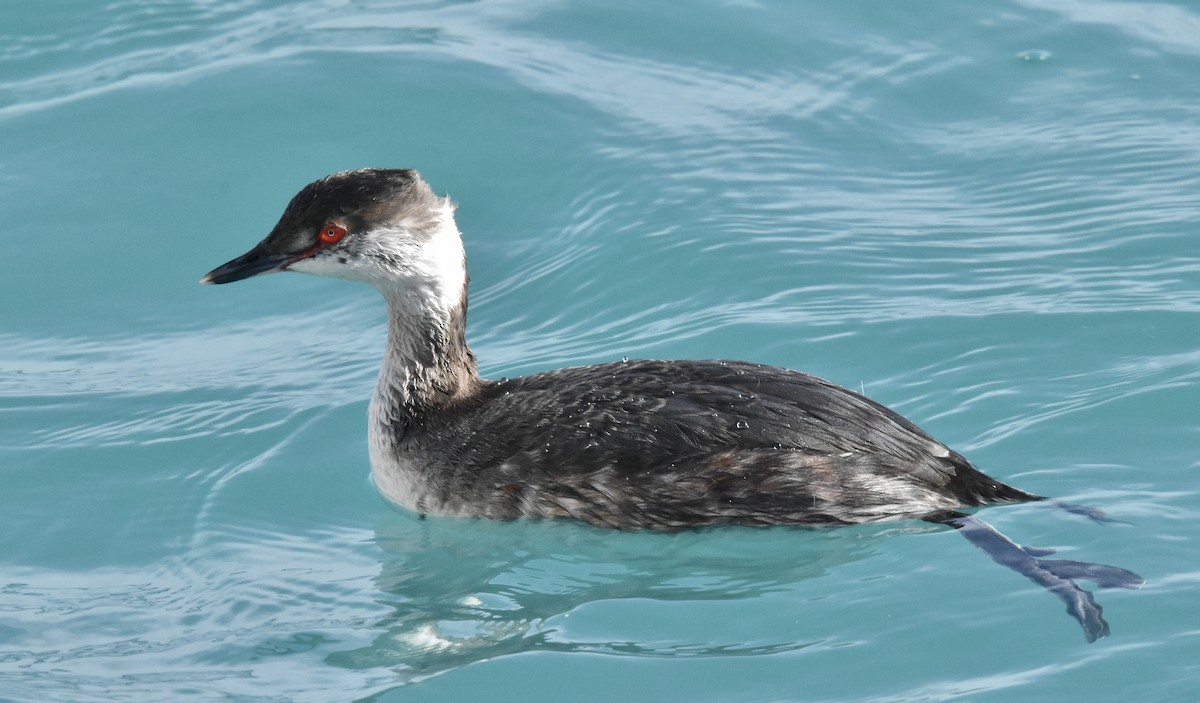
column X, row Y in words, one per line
column 320, row 266
column 395, row 263
column 443, row 260
column 434, row 270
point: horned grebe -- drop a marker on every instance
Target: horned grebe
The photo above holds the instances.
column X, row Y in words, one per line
column 659, row 445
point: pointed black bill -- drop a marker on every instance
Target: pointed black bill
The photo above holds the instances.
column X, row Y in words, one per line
column 252, row 263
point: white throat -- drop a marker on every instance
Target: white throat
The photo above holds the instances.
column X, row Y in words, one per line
column 434, row 271
column 426, row 356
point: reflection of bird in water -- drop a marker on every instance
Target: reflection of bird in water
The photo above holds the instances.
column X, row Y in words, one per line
column 461, row 596
column 660, row 445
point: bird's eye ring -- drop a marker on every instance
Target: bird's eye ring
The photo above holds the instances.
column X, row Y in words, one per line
column 332, row 233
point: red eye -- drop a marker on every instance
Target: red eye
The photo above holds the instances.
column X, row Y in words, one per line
column 332, row 233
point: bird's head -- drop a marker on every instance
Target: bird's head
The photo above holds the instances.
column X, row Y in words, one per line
column 380, row 226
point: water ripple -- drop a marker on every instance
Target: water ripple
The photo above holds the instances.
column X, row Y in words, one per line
column 1158, row 24
column 215, row 383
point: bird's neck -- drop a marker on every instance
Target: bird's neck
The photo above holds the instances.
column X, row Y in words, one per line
column 427, row 365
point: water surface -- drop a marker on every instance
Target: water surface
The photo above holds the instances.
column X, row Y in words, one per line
column 981, row 216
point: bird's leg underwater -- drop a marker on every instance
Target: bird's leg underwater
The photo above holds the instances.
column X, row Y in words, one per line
column 1055, row 575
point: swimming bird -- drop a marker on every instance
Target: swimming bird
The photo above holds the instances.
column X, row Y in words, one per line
column 645, row 444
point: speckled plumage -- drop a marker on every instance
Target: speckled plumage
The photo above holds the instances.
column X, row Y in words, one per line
column 661, row 445
column 675, row 444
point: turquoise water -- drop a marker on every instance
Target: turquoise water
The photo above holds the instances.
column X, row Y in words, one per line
column 981, row 215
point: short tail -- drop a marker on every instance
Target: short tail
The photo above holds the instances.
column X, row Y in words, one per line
column 976, row 488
